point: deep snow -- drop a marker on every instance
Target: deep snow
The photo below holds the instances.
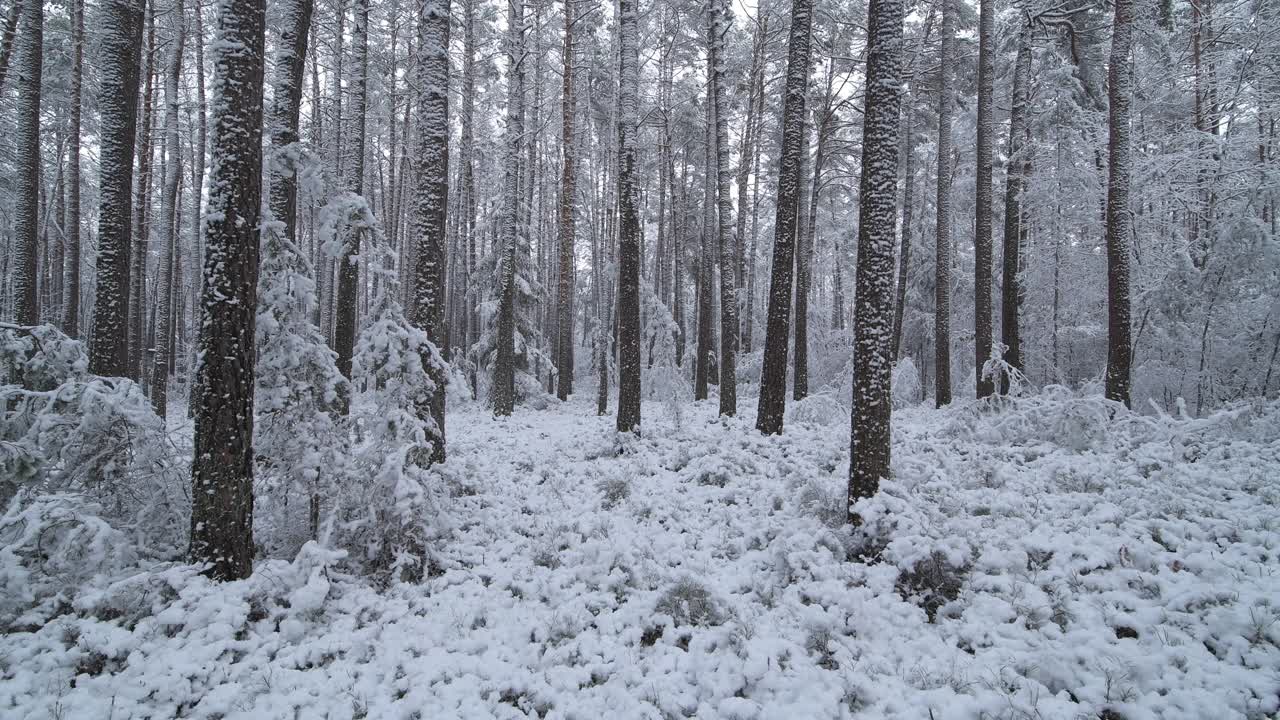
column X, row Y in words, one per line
column 1074, row 565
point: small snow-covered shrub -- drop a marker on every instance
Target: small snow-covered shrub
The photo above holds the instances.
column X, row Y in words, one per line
column 934, row 581
column 905, row 389
column 390, row 517
column 688, row 602
column 818, row 409
column 300, row 433
column 613, row 491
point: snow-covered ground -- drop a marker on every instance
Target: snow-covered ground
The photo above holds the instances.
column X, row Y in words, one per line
column 1040, row 561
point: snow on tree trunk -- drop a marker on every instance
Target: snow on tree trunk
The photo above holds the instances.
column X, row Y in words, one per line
column 942, row 257
column 222, row 465
column 773, row 378
column 568, row 191
column 168, row 213
column 26, row 221
column 347, row 310
column 908, row 209
column 1119, row 221
column 71, row 221
column 629, row 221
column 878, row 196
column 7, row 35
column 1015, row 224
column 983, row 336
column 730, row 270
column 295, row 26
column 504, row 370
column 120, row 38
column 142, row 205
column 431, row 207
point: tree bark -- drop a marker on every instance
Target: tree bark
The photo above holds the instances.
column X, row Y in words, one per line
column 942, row 259
column 347, row 310
column 568, row 192
column 71, row 222
column 222, row 464
column 730, row 268
column 1119, row 227
column 983, row 249
column 26, row 223
column 504, row 393
column 168, row 235
column 908, row 210
column 629, row 221
column 142, row 205
column 773, row 380
column 1015, row 224
column 878, row 199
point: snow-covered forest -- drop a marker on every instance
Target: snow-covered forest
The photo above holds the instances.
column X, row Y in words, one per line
column 640, row 359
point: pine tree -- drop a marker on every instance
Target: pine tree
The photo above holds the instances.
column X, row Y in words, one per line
column 26, row 225
column 568, row 201
column 1119, row 222
column 730, row 269
column 71, row 221
column 629, row 221
column 773, row 379
column 1015, row 222
column 119, row 42
column 168, row 229
column 942, row 258
column 431, row 207
column 504, row 369
column 983, row 248
column 222, row 465
column 878, row 210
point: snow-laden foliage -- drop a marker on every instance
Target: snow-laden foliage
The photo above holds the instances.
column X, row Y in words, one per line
column 390, row 510
column 87, row 471
column 300, row 434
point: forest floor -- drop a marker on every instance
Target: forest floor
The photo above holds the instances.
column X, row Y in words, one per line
column 1039, row 560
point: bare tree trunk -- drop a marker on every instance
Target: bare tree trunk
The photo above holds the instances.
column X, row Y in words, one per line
column 942, row 259
column 222, row 465
column 168, row 235
column 568, row 191
column 142, row 206
column 471, row 293
column 878, row 201
column 431, row 202
column 1015, row 223
column 7, row 34
column 71, row 222
column 504, row 393
column 1119, row 222
column 26, row 224
column 702, row 376
column 983, row 249
column 908, row 209
column 344, row 333
column 629, row 221
column 773, row 380
column 730, row 269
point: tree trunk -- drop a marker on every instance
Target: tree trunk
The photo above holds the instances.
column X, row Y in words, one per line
column 773, row 380
column 168, row 235
column 568, row 191
column 983, row 250
column 878, row 210
column 286, row 106
column 504, row 392
column 1119, row 227
column 719, row 19
column 26, row 211
column 702, row 376
column 120, row 40
column 1015, row 224
column 908, row 209
column 629, row 221
column 71, row 223
column 942, row 259
column 222, row 464
column 7, row 35
column 344, row 332
column 431, row 203
column 142, row 205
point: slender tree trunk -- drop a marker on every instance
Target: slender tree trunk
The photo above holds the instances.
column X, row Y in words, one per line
column 808, row 239
column 1015, row 224
column 878, row 198
column 142, row 206
column 568, row 191
column 222, row 464
column 431, row 202
column 1119, row 225
column 773, row 380
column 120, row 40
column 471, row 299
column 168, row 235
column 942, row 259
column 908, row 209
column 7, row 35
column 702, row 376
column 504, row 393
column 983, row 244
column 26, row 211
column 629, row 221
column 730, row 268
column 286, row 108
column 344, row 334
column 71, row 223
column 197, row 184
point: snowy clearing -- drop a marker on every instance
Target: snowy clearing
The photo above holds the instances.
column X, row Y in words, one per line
column 1073, row 566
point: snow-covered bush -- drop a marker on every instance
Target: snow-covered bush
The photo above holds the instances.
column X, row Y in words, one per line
column 905, row 387
column 86, row 469
column 818, row 409
column 300, row 434
column 391, row 512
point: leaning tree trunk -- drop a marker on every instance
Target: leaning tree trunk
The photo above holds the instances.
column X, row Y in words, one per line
column 222, row 464
column 431, row 203
column 773, row 377
column 119, row 40
column 1120, row 91
column 168, row 235
column 1015, row 223
column 878, row 196
column 26, row 210
column 730, row 270
column 564, row 294
column 504, row 370
column 629, row 221
column 942, row 258
column 982, row 268
column 71, row 223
